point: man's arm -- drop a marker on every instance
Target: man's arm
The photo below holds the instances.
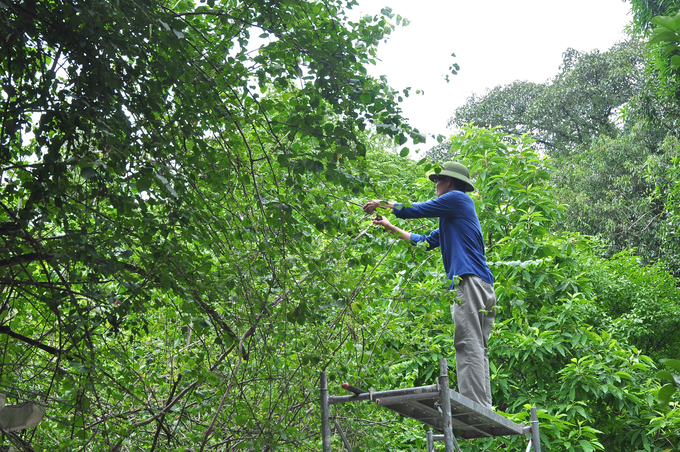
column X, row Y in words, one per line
column 432, row 240
column 389, row 227
column 446, row 205
column 449, row 204
column 370, row 206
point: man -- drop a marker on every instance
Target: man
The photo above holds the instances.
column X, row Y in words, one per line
column 460, row 240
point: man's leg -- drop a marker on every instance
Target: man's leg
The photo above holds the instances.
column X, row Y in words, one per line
column 473, row 320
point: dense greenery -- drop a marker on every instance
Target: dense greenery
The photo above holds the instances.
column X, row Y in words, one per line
column 568, row 312
column 164, row 172
column 183, row 248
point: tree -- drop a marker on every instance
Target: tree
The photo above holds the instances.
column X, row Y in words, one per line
column 165, row 214
column 604, row 119
column 607, row 193
column 551, row 347
column 504, row 107
column 580, row 104
column 669, row 389
column 638, row 304
column 666, row 32
column 664, row 173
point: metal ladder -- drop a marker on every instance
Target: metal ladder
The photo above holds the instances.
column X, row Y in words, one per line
column 435, row 405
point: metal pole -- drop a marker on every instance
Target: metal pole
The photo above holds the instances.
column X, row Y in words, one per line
column 436, row 438
column 342, row 435
column 332, row 400
column 535, row 436
column 325, row 415
column 384, row 401
column 455, row 444
column 430, row 441
column 446, row 404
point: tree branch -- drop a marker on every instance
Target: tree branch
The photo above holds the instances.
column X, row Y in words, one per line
column 25, row 259
column 49, row 349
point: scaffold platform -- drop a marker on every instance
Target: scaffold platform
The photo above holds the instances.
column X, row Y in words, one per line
column 435, row 405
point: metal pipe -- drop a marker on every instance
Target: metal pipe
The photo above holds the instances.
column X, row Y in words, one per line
column 446, row 404
column 529, row 445
column 535, row 435
column 392, row 393
column 436, row 438
column 430, row 441
column 455, row 443
column 342, row 435
column 325, row 415
column 406, row 398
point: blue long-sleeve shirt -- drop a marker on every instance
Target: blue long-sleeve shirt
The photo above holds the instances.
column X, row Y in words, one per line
column 459, row 235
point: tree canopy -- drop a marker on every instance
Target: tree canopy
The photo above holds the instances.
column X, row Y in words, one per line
column 580, row 104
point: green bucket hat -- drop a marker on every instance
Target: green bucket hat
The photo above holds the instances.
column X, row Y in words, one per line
column 457, row 171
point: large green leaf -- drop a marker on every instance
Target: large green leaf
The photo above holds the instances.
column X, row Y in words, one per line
column 675, row 62
column 665, row 21
column 672, row 363
column 665, row 393
column 664, row 375
column 664, row 35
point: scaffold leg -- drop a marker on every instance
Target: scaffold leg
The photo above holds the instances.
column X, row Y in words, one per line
column 445, row 400
column 535, row 435
column 325, row 415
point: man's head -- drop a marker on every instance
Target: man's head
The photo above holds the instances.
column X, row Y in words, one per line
column 453, row 176
column 445, row 184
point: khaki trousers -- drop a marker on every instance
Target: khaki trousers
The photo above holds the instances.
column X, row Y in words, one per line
column 473, row 319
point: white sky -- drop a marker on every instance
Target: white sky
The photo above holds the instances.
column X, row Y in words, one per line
column 495, row 41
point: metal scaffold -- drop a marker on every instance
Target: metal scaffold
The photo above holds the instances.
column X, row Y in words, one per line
column 437, row 406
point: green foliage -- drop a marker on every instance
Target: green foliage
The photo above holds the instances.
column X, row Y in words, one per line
column 645, row 10
column 513, row 198
column 168, row 232
column 664, row 172
column 513, row 195
column 639, row 305
column 665, row 43
column 505, row 107
column 555, row 343
column 666, row 392
column 607, row 192
column 183, row 248
column 610, row 124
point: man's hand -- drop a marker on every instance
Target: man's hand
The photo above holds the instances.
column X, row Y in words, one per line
column 392, row 229
column 370, row 206
column 382, row 221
